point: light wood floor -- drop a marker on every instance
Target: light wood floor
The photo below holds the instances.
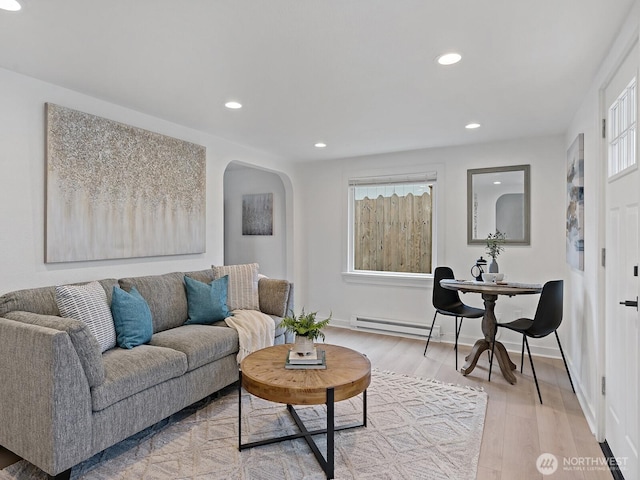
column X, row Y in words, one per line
column 517, row 428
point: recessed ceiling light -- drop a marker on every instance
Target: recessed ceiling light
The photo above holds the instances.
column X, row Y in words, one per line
column 497, row 182
column 11, row 5
column 231, row 105
column 471, row 126
column 449, row 58
column 320, row 145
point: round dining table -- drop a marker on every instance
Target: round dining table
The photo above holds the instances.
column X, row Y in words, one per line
column 490, row 293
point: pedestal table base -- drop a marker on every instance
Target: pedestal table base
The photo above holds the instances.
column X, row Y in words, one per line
column 506, row 365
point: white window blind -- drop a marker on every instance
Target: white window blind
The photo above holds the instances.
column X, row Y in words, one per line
column 622, row 130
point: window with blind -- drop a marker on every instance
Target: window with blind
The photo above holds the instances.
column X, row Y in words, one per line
column 622, row 131
column 392, row 223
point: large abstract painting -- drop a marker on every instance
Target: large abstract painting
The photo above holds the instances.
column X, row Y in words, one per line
column 575, row 203
column 117, row 191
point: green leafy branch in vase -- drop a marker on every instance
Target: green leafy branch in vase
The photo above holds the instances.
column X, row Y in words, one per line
column 495, row 243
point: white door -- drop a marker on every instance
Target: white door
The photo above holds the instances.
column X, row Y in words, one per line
column 622, row 335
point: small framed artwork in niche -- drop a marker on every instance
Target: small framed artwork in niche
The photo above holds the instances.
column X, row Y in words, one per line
column 257, row 214
column 499, row 198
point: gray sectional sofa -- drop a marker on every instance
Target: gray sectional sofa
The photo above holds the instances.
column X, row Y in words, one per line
column 62, row 400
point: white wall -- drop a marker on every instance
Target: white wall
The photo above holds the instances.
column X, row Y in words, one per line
column 583, row 339
column 321, row 231
column 269, row 251
column 22, row 186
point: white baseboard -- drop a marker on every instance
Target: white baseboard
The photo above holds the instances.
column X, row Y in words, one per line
column 512, row 347
column 341, row 323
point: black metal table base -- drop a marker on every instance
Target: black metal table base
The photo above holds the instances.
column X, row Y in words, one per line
column 328, row 463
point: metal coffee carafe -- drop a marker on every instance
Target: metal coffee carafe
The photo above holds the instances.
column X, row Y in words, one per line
column 477, row 270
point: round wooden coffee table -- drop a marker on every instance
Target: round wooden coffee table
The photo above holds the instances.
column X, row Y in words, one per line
column 348, row 374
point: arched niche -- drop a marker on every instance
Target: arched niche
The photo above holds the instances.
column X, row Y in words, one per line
column 244, row 184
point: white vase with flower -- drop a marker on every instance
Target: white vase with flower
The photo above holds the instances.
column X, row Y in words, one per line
column 495, row 245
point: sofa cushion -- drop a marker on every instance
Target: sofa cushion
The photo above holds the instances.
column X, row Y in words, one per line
column 243, row 285
column 88, row 303
column 83, row 341
column 41, row 300
column 204, row 276
column 273, row 296
column 201, row 344
column 165, row 296
column 131, row 318
column 131, row 371
column 36, row 300
column 207, row 302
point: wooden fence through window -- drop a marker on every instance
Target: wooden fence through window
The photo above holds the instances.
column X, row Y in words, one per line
column 393, row 234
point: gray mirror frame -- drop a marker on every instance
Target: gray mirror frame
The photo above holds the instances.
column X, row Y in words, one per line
column 527, row 203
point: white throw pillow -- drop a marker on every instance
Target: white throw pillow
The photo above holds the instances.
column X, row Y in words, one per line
column 89, row 304
column 242, row 293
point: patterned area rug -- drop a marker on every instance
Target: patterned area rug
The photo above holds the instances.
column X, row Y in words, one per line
column 418, row 429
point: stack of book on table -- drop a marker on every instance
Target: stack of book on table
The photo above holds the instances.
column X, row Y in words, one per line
column 314, row 360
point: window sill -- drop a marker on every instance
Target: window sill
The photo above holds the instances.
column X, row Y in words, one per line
column 622, row 173
column 418, row 280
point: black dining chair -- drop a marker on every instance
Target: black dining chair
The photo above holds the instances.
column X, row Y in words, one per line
column 447, row 302
column 547, row 319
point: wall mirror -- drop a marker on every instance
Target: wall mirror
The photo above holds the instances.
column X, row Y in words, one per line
column 499, row 199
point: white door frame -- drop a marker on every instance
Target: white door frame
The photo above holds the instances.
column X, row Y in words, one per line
column 602, row 181
column 601, row 351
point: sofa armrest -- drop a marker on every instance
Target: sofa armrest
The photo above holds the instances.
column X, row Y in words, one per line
column 45, row 401
column 275, row 296
column 83, row 340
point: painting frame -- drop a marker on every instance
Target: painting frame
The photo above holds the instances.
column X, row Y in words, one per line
column 575, row 204
column 257, row 214
column 118, row 191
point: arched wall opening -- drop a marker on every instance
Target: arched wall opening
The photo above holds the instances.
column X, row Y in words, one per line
column 242, row 183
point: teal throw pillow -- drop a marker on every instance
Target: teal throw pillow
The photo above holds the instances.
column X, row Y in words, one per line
column 207, row 303
column 131, row 318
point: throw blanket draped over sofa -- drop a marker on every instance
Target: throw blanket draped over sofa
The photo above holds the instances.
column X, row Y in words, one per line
column 63, row 399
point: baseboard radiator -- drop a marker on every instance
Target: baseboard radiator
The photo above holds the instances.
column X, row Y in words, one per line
column 385, row 325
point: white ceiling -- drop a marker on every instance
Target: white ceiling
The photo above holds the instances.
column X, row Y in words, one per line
column 359, row 75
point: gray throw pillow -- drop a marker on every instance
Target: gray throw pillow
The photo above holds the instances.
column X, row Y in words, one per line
column 88, row 303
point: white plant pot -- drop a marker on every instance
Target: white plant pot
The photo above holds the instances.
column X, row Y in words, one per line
column 303, row 345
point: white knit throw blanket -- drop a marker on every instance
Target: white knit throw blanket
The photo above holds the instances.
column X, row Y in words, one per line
column 255, row 330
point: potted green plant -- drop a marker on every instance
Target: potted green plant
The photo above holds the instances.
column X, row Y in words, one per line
column 495, row 245
column 306, row 328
